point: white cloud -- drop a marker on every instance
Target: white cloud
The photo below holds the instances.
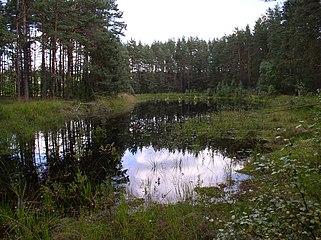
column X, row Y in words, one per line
column 161, row 173
column 150, row 20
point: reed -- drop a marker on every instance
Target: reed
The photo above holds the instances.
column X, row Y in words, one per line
column 281, row 201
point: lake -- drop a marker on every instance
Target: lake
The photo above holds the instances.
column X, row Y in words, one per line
column 144, row 152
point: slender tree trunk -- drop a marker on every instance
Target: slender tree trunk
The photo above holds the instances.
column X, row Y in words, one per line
column 53, row 68
column 239, row 66
column 60, row 71
column 43, row 68
column 86, row 73
column 18, row 52
column 26, row 53
column 54, row 52
column 189, row 75
column 181, row 76
column 63, row 74
column 69, row 70
column 249, row 68
column 76, row 69
column 35, row 92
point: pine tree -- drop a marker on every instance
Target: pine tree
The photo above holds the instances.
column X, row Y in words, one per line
column 302, row 22
column 5, row 36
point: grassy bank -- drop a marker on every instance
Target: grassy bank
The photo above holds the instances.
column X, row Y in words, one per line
column 281, row 201
column 26, row 118
column 169, row 97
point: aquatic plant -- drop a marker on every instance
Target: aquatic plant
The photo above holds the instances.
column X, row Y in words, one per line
column 279, row 202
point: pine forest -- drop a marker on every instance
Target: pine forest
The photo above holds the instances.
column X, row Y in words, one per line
column 73, row 49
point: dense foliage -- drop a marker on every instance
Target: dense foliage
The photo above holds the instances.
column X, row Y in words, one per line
column 61, row 48
column 55, row 48
column 281, row 54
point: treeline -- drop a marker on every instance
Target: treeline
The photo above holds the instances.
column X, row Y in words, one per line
column 72, row 49
column 281, row 54
column 59, row 48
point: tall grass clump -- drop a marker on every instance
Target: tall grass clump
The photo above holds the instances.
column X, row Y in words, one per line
column 280, row 201
column 40, row 215
column 25, row 118
column 114, row 106
column 286, row 203
column 22, row 215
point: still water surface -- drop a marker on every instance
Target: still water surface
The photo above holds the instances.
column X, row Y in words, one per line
column 143, row 151
column 170, row 176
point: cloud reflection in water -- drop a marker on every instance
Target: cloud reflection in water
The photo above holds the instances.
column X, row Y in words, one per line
column 164, row 176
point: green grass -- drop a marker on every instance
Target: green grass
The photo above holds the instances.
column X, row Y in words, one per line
column 180, row 221
column 24, row 119
column 196, row 97
column 281, row 201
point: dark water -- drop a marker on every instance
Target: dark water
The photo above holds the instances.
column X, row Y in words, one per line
column 143, row 151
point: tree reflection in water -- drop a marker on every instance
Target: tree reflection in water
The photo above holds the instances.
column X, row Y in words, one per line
column 100, row 147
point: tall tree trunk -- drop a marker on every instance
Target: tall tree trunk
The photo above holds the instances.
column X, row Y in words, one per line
column 43, row 68
column 86, row 73
column 26, row 53
column 54, row 51
column 60, row 71
column 63, row 75
column 53, row 68
column 249, row 68
column 181, row 77
column 36, row 90
column 18, row 53
column 77, row 78
column 69, row 70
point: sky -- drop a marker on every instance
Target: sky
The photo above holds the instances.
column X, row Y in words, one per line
column 165, row 175
column 160, row 20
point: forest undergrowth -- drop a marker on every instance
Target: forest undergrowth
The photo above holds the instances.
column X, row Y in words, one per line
column 281, row 200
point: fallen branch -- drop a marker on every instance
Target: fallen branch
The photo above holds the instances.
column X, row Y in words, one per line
column 90, row 104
